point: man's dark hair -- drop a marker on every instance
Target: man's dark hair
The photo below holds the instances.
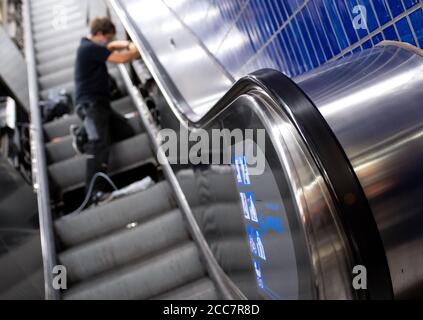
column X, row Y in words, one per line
column 102, row 25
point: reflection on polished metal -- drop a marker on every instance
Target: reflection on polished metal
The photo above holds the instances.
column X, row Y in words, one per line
column 191, row 80
column 373, row 103
column 327, row 251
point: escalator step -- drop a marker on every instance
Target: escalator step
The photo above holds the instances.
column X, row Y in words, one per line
column 74, row 19
column 60, row 127
column 23, row 255
column 124, row 246
column 66, row 75
column 46, row 12
column 126, row 155
column 61, row 149
column 202, row 289
column 58, row 64
column 56, row 34
column 59, row 76
column 39, row 5
column 56, row 52
column 69, row 37
column 74, row 22
column 98, row 221
column 69, row 87
column 29, row 288
column 145, row 279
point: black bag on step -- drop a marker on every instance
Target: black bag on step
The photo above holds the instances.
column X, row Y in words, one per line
column 57, row 105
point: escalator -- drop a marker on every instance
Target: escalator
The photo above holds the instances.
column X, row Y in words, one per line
column 137, row 247
column 327, row 196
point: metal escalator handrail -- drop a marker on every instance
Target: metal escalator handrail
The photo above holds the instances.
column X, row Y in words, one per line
column 39, row 163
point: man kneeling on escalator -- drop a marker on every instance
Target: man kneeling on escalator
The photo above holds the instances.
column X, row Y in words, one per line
column 93, row 98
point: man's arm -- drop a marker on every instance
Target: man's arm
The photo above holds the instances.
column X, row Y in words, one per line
column 118, row 45
column 124, row 56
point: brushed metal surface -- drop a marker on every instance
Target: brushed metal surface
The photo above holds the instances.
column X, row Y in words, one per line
column 373, row 102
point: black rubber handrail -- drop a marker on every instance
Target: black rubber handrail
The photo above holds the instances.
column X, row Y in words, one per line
column 354, row 210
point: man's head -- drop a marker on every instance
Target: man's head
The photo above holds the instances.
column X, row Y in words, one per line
column 102, row 30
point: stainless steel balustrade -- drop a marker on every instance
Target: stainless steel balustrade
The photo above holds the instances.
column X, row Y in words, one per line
column 372, row 102
column 369, row 106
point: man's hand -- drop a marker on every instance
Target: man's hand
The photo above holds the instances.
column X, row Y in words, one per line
column 134, row 50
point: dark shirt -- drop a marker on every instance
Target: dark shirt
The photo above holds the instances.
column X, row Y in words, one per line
column 91, row 75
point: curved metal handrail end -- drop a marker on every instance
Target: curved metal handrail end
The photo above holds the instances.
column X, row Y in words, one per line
column 356, row 217
column 307, row 119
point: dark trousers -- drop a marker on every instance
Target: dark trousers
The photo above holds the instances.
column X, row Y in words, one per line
column 102, row 126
